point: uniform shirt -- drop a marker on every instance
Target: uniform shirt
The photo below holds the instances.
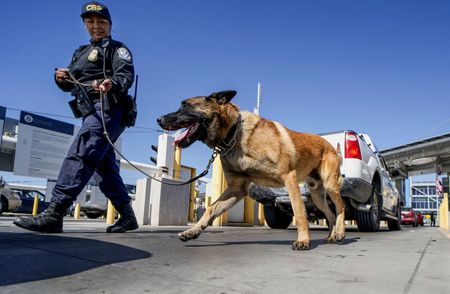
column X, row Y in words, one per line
column 88, row 62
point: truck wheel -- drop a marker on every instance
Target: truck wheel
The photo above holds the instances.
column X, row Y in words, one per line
column 395, row 225
column 3, row 206
column 276, row 218
column 369, row 221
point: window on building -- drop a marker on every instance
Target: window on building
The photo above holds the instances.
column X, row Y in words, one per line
column 420, row 202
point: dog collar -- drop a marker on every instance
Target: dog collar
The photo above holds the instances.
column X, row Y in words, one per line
column 230, row 140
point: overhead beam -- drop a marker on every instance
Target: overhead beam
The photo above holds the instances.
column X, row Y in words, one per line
column 439, row 147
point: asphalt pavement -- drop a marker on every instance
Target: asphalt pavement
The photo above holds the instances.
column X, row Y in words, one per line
column 85, row 259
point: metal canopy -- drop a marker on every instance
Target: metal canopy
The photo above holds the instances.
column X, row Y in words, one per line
column 420, row 157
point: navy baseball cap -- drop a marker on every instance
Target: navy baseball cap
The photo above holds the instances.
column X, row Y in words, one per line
column 94, row 7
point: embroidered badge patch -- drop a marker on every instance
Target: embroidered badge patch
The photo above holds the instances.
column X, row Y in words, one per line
column 124, row 54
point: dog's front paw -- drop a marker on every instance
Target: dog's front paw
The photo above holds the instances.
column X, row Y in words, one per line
column 330, row 240
column 300, row 245
column 340, row 237
column 189, row 235
column 336, row 238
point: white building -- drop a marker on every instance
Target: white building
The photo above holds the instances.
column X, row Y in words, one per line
column 424, row 197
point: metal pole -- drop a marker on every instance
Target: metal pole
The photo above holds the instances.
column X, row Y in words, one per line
column 258, row 99
column 258, row 102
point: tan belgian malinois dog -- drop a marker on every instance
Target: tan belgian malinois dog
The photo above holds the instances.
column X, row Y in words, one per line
column 260, row 151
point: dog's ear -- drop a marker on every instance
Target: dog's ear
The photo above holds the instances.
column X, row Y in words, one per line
column 223, row 97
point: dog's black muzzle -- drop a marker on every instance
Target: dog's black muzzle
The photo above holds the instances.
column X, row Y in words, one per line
column 170, row 121
column 160, row 121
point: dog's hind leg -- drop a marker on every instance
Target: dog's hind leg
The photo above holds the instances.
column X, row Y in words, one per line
column 332, row 185
column 301, row 221
column 335, row 195
column 235, row 192
column 319, row 198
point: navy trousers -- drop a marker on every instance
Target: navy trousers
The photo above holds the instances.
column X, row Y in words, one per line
column 91, row 155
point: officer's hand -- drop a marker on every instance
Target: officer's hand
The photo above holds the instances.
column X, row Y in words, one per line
column 62, row 74
column 105, row 86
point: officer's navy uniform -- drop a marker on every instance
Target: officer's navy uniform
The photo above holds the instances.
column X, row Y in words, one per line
column 90, row 153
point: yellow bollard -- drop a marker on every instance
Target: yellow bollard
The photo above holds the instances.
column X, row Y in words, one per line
column 249, row 208
column 443, row 213
column 35, row 205
column 76, row 213
column 446, row 211
column 261, row 217
column 110, row 213
column 224, row 215
column 218, row 186
column 192, row 197
column 177, row 164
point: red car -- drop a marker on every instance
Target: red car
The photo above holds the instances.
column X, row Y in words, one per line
column 419, row 218
column 410, row 217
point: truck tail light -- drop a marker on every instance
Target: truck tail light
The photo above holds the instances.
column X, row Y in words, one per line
column 352, row 149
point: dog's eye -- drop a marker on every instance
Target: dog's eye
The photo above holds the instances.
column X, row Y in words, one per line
column 184, row 105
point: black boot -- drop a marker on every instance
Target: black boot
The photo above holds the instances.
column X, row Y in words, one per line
column 126, row 222
column 48, row 221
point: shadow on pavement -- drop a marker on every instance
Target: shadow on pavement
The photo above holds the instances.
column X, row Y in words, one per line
column 26, row 257
column 314, row 243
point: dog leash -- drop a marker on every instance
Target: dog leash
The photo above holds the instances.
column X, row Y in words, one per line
column 106, row 134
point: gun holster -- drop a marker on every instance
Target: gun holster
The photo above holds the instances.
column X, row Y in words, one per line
column 74, row 107
column 81, row 105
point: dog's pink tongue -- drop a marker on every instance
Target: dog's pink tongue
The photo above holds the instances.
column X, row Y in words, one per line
column 181, row 137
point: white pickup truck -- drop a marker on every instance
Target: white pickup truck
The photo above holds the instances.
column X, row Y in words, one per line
column 368, row 190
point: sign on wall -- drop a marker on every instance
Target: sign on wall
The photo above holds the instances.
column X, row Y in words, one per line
column 42, row 144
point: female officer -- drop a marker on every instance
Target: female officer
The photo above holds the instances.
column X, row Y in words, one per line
column 104, row 65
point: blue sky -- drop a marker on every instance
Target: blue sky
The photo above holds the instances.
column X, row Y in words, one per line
column 379, row 67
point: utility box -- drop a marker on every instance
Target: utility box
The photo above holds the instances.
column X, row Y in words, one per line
column 169, row 204
column 142, row 203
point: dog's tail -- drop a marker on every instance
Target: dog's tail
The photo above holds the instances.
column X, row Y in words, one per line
column 339, row 154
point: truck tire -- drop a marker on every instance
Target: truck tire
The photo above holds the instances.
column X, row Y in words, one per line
column 276, row 218
column 3, row 205
column 369, row 221
column 395, row 225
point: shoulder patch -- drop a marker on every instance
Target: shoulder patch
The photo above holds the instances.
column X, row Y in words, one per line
column 124, row 54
